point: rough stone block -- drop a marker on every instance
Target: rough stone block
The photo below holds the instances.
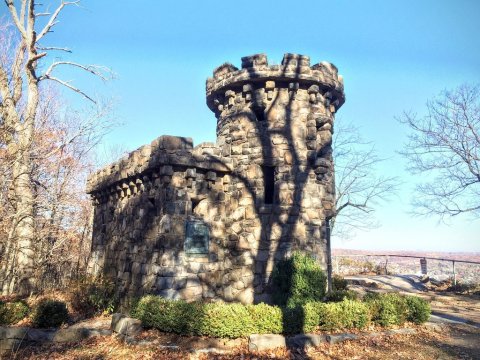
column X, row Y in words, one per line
column 333, row 339
column 125, row 326
column 71, row 335
column 40, row 336
column 13, row 332
column 306, row 340
column 261, row 342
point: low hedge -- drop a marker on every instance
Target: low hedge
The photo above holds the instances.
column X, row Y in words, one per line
column 394, row 309
column 232, row 320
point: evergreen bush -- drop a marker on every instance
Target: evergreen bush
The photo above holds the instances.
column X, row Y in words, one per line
column 419, row 309
column 50, row 313
column 298, row 280
column 232, row 320
column 348, row 314
column 387, row 309
column 168, row 315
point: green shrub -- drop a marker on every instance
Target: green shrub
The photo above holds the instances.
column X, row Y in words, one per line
column 298, row 280
column 311, row 314
column 339, row 295
column 13, row 312
column 227, row 320
column 50, row 313
column 232, row 320
column 215, row 319
column 387, row 309
column 167, row 315
column 92, row 296
column 266, row 319
column 301, row 319
column 339, row 283
column 348, row 314
column 418, row 309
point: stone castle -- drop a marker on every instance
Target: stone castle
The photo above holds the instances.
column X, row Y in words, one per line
column 209, row 221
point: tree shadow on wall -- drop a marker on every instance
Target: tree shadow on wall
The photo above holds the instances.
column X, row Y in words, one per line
column 143, row 211
column 283, row 213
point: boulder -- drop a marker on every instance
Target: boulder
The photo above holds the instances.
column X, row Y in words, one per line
column 261, row 342
column 126, row 326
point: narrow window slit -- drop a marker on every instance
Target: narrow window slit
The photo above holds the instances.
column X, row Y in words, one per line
column 269, row 184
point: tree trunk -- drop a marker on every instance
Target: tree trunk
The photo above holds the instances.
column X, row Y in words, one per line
column 19, row 275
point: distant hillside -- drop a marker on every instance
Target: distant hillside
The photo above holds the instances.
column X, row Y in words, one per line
column 361, row 263
column 469, row 256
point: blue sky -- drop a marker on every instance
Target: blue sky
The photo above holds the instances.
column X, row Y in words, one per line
column 394, row 55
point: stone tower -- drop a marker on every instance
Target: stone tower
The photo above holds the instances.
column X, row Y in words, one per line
column 210, row 221
column 275, row 123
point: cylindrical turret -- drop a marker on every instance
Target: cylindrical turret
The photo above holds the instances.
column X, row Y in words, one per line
column 276, row 123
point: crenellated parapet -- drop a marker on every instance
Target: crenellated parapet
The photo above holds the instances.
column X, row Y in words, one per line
column 256, row 80
column 153, row 164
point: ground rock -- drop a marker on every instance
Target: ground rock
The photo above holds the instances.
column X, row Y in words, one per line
column 333, row 339
column 71, row 335
column 306, row 340
column 126, row 326
column 260, row 342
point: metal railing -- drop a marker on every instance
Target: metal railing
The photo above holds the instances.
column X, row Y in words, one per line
column 423, row 261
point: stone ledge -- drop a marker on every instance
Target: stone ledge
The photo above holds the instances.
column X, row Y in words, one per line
column 306, row 340
column 336, row 338
column 13, row 338
column 261, row 342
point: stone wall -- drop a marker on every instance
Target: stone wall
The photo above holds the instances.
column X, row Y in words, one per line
column 264, row 189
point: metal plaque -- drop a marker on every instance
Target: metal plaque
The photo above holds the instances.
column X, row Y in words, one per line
column 196, row 238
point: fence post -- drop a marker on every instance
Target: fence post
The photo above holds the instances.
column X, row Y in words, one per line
column 423, row 266
column 454, row 274
column 329, row 256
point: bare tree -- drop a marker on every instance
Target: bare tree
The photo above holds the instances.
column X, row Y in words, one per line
column 359, row 188
column 20, row 97
column 444, row 147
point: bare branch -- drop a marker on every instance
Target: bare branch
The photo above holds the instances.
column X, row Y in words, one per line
column 47, row 48
column 444, row 144
column 100, row 71
column 358, row 188
column 53, row 19
column 71, row 87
